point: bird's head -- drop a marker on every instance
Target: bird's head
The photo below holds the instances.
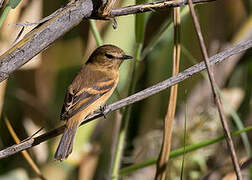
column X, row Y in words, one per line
column 108, row 56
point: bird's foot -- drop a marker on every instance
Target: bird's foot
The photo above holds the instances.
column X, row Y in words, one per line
column 113, row 19
column 102, row 109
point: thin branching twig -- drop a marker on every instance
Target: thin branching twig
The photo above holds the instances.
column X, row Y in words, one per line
column 131, row 99
column 215, row 94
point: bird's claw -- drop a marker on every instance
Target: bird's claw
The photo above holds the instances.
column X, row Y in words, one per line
column 113, row 19
column 102, row 109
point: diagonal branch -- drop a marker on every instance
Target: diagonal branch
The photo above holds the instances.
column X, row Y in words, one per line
column 131, row 99
column 215, row 94
column 61, row 22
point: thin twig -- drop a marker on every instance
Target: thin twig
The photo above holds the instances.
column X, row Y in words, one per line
column 18, row 36
column 34, row 134
column 215, row 94
column 61, row 22
column 132, row 99
column 25, row 153
column 140, row 8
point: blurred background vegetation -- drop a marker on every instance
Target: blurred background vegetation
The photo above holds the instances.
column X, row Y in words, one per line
column 32, row 97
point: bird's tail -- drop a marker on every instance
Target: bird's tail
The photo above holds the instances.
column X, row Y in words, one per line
column 65, row 146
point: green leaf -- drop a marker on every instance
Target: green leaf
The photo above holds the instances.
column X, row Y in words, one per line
column 95, row 32
column 140, row 24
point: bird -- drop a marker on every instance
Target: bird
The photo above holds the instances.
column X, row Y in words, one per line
column 89, row 90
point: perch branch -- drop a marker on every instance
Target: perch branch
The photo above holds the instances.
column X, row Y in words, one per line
column 131, row 99
column 61, row 22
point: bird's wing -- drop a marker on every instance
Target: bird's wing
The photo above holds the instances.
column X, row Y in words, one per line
column 77, row 99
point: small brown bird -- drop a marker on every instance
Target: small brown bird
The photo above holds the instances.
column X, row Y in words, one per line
column 90, row 89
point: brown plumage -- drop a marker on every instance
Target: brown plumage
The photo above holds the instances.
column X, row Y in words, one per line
column 90, row 89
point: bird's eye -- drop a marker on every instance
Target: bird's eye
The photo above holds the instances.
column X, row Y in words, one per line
column 109, row 55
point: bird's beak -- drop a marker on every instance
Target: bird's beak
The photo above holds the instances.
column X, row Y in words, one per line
column 127, row 57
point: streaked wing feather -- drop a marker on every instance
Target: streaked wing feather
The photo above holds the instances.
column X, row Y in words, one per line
column 79, row 101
